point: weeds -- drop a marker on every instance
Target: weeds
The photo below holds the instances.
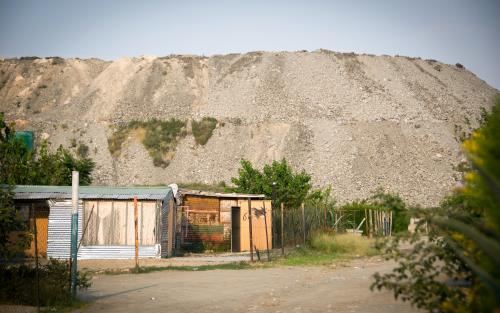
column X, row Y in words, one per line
column 203, row 130
column 17, row 284
column 347, row 244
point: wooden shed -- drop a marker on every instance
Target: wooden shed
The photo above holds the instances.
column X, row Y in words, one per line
column 106, row 227
column 219, row 221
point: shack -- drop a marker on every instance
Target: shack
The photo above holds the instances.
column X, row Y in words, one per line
column 105, row 220
column 169, row 221
column 219, row 221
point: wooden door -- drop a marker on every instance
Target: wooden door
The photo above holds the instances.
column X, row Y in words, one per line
column 41, row 217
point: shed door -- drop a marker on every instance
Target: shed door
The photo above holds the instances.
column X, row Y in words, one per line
column 235, row 229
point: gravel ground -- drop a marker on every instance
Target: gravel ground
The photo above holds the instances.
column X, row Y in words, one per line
column 193, row 260
column 277, row 289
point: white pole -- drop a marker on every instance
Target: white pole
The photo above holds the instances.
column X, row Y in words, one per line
column 74, row 230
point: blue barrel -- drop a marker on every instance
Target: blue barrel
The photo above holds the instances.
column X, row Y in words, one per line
column 27, row 137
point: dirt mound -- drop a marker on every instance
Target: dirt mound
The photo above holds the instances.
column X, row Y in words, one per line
column 356, row 122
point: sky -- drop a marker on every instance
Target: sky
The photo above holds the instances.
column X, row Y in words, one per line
column 451, row 31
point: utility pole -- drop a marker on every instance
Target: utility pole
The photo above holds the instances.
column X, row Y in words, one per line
column 74, row 230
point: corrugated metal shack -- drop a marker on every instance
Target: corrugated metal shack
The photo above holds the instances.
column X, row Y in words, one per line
column 219, row 221
column 106, row 214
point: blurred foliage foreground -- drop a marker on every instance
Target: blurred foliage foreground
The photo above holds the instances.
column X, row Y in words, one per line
column 456, row 266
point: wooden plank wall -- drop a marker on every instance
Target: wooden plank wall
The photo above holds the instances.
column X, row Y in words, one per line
column 112, row 223
column 258, row 225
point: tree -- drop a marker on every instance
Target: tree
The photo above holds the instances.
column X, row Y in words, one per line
column 18, row 165
column 463, row 242
column 291, row 187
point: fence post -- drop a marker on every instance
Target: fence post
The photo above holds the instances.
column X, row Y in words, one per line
column 282, row 233
column 303, row 223
column 265, row 225
column 250, row 227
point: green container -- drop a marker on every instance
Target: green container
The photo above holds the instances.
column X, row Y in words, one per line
column 27, row 137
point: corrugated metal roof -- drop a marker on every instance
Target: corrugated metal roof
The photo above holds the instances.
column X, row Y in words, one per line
column 219, row 194
column 90, row 192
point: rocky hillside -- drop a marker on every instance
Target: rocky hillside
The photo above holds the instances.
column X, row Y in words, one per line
column 354, row 121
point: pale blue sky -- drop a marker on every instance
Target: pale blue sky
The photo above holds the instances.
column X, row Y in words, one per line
column 447, row 30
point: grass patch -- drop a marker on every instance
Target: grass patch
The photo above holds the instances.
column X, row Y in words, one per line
column 327, row 248
column 151, row 269
column 307, row 256
column 219, row 187
column 158, row 137
column 203, row 130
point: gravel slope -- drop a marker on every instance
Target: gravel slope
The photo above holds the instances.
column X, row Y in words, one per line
column 356, row 122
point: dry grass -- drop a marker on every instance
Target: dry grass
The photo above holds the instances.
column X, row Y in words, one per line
column 347, row 244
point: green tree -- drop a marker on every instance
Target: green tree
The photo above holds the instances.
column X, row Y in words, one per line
column 18, row 165
column 291, row 187
column 463, row 242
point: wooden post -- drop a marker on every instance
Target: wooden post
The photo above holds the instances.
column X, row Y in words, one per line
column 250, row 227
column 370, row 218
column 75, row 180
column 366, row 224
column 325, row 217
column 282, row 232
column 37, row 278
column 136, row 232
column 304, row 223
column 265, row 225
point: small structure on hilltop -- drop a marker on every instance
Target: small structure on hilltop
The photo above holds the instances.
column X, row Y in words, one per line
column 169, row 221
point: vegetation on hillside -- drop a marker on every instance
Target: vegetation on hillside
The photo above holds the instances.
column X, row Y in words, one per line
column 203, row 130
column 457, row 267
column 158, row 137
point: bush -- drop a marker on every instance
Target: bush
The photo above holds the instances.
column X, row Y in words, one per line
column 203, row 130
column 18, row 284
column 83, row 150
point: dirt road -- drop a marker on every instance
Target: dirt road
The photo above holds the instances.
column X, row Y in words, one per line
column 279, row 289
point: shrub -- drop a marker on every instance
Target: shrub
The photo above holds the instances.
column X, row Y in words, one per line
column 83, row 150
column 203, row 130
column 18, row 284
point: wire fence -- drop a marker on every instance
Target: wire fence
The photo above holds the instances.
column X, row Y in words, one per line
column 297, row 226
